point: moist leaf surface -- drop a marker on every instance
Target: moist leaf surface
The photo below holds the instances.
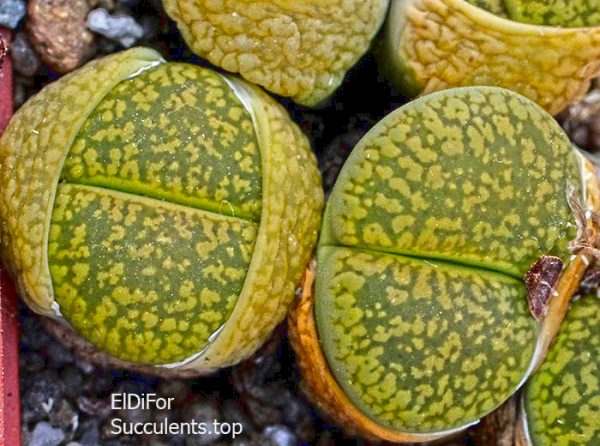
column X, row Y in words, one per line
column 477, row 176
column 178, row 133
column 157, row 214
column 438, row 213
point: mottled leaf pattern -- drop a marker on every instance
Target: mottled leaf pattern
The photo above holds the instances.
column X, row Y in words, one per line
column 438, row 213
column 562, row 400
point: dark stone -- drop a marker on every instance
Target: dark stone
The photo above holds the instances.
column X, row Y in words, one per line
column 25, row 59
column 73, row 379
column 151, row 26
column 90, row 433
column 253, row 440
column 58, row 355
column 581, row 121
column 32, row 333
column 98, row 383
column 31, row 361
column 590, row 284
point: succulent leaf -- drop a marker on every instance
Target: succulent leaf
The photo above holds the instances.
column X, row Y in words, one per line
column 456, row 177
column 180, row 190
column 299, row 49
column 566, row 13
column 32, row 151
column 145, row 280
column 432, row 45
column 562, row 398
column 420, row 300
column 202, row 147
column 421, row 346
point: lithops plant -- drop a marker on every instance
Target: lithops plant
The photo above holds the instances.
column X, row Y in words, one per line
column 450, row 216
column 299, row 49
column 430, row 45
column 562, row 399
column 163, row 211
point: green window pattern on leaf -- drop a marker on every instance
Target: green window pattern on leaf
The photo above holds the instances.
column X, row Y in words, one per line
column 163, row 204
column 432, row 45
column 566, row 13
column 562, row 399
column 420, row 303
column 300, row 49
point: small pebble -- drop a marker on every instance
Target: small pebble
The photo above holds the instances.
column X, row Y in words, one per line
column 25, row 60
column 280, row 435
column 58, row 33
column 120, row 28
column 11, row 13
column 45, row 435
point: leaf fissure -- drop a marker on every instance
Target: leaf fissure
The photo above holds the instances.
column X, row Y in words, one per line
column 429, row 259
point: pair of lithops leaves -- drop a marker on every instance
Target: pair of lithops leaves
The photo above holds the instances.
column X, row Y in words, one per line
column 161, row 211
column 452, row 242
column 165, row 213
column 545, row 50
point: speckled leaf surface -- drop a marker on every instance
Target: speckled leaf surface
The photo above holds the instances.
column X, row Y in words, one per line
column 477, row 176
column 421, row 346
column 299, row 49
column 432, row 45
column 439, row 211
column 494, row 6
column 290, row 221
column 176, row 133
column 32, row 151
column 145, row 280
column 190, row 268
column 565, row 13
column 562, row 400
